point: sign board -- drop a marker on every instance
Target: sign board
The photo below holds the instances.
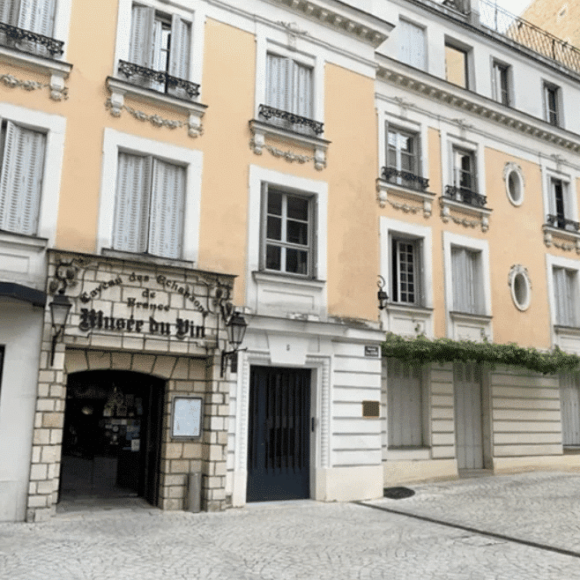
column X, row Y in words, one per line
column 372, row 351
column 186, row 418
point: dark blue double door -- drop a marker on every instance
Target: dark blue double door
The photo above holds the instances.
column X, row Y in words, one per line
column 279, row 434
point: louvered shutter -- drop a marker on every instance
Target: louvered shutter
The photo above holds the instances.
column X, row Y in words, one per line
column 411, row 44
column 458, row 276
column 21, row 180
column 140, row 49
column 467, row 296
column 179, row 53
column 36, row 16
column 302, row 90
column 167, row 209
column 132, row 203
column 6, row 11
column 276, row 81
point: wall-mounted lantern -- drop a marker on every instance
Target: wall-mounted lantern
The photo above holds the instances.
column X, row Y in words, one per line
column 381, row 294
column 59, row 309
column 236, row 329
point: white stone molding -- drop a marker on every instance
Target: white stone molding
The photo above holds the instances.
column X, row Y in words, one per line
column 481, row 214
column 261, row 131
column 116, row 103
column 423, row 198
column 58, row 71
column 562, row 239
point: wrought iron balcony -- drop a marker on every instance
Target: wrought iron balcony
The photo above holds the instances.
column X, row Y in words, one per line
column 405, row 178
column 562, row 223
column 464, row 195
column 130, row 70
column 28, row 41
column 524, row 33
column 459, row 5
column 296, row 120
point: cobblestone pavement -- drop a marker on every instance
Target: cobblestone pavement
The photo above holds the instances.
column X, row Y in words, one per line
column 309, row 540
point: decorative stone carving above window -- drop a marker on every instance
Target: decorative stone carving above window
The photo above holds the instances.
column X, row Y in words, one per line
column 119, row 88
column 520, row 286
column 514, row 183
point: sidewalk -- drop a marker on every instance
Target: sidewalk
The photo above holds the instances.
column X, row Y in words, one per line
column 309, row 540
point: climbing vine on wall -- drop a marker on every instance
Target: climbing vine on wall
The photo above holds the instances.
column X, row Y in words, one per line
column 421, row 350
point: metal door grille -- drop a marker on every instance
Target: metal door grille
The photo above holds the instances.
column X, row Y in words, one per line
column 279, row 434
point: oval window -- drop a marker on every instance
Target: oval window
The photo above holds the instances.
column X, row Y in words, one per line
column 520, row 287
column 514, row 181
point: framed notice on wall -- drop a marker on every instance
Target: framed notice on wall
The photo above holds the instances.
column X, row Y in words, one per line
column 186, row 417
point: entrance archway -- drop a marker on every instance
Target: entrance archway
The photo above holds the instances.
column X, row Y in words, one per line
column 112, row 435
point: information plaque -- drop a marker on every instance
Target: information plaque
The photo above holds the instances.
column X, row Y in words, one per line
column 187, row 417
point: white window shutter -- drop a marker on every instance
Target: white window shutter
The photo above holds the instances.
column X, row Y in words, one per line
column 37, row 16
column 179, row 53
column 276, row 81
column 21, row 180
column 411, row 44
column 180, row 47
column 7, row 11
column 302, row 90
column 132, row 203
column 167, row 210
column 141, row 47
column 458, row 279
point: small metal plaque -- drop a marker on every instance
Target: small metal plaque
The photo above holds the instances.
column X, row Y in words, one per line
column 371, row 409
column 372, row 351
column 186, row 417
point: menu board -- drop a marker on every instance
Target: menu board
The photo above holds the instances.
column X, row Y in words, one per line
column 187, row 416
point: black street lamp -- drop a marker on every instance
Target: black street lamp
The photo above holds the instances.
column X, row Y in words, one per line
column 236, row 329
column 59, row 309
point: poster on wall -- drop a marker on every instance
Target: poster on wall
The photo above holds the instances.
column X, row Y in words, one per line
column 187, row 417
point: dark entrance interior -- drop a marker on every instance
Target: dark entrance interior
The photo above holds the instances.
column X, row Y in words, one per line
column 112, row 436
column 279, row 434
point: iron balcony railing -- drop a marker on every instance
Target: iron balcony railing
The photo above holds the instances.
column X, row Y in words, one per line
column 464, row 195
column 28, row 41
column 296, row 120
column 502, row 22
column 405, row 178
column 562, row 223
column 130, row 70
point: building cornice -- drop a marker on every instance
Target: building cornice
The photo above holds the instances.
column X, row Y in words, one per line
column 345, row 19
column 431, row 87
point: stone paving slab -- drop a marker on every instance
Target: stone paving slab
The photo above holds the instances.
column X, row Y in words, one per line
column 309, row 540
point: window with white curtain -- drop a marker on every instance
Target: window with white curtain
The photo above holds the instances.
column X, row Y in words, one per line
column 160, row 42
column 412, row 44
column 467, row 280
column 149, row 206
column 22, row 169
column 289, row 85
column 566, row 296
column 33, row 15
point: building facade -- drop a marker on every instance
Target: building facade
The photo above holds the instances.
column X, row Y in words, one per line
column 269, row 161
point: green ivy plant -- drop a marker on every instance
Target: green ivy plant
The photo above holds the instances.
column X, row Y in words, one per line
column 422, row 350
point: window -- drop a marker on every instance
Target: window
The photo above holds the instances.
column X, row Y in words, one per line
column 402, row 157
column 566, row 296
column 405, row 274
column 467, row 280
column 456, row 66
column 287, row 238
column 21, row 174
column 501, row 83
column 32, row 15
column 405, row 407
column 464, row 172
column 149, row 206
column 160, row 42
column 560, row 205
column 289, row 88
column 412, row 44
column 552, row 104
